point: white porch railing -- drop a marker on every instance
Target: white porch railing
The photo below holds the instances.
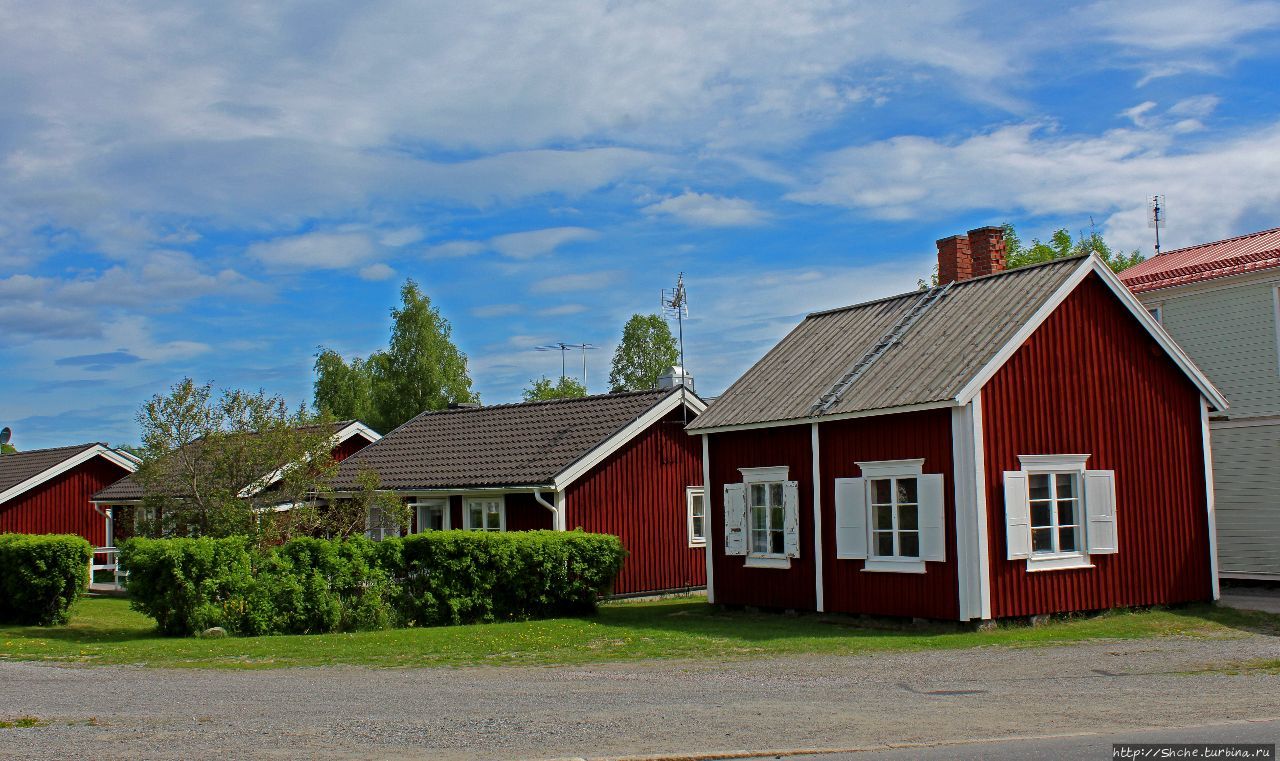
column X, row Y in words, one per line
column 107, row 559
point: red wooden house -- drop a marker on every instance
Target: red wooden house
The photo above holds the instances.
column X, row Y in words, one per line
column 612, row 463
column 1004, row 444
column 48, row 491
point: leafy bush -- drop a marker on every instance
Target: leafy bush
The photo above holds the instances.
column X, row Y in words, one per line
column 315, row 585
column 458, row 577
column 40, row 576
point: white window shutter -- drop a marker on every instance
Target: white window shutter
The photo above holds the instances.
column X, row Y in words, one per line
column 791, row 518
column 933, row 524
column 1100, row 507
column 851, row 518
column 735, row 519
column 1017, row 515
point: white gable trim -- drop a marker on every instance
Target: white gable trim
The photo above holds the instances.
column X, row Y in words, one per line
column 354, row 428
column 338, row 438
column 97, row 450
column 1095, row 265
column 601, row 452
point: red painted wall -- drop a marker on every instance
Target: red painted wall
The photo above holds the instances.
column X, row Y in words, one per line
column 638, row 494
column 61, row 504
column 846, row 589
column 525, row 514
column 1090, row 380
column 734, row 583
column 350, row 447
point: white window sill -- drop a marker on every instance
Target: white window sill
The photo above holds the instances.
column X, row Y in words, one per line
column 759, row 561
column 889, row 565
column 698, row 545
column 1057, row 562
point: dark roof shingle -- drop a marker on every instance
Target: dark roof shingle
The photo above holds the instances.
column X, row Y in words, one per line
column 936, row 357
column 17, row 467
column 524, row 444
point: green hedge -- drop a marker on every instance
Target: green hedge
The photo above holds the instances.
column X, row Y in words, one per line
column 315, row 585
column 40, row 576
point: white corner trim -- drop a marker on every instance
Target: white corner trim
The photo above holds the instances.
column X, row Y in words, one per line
column 1210, row 508
column 1042, row 462
column 561, row 520
column 601, row 452
column 817, row 518
column 1275, row 294
column 711, row 543
column 883, row 468
column 1095, row 265
column 980, row 506
column 756, row 561
column 965, row 497
column 755, row 475
column 90, row 452
column 883, row 565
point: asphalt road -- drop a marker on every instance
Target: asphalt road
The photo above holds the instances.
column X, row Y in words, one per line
column 1078, row 747
column 677, row 708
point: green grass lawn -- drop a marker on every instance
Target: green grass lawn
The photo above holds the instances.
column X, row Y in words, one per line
column 106, row 631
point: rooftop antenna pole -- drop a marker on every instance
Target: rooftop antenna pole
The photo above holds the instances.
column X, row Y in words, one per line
column 563, row 348
column 676, row 304
column 1157, row 214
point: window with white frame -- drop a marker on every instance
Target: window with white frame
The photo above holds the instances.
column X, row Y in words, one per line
column 431, row 514
column 1157, row 313
column 485, row 514
column 762, row 517
column 695, row 501
column 892, row 517
column 380, row 524
column 1058, row 513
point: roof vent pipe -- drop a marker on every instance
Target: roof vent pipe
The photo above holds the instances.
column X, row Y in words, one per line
column 675, row 376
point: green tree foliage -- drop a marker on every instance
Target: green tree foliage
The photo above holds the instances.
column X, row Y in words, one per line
column 1060, row 246
column 219, row 464
column 421, row 369
column 544, row 389
column 7, row 449
column 646, row 350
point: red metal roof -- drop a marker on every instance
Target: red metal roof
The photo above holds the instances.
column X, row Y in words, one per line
column 1207, row 261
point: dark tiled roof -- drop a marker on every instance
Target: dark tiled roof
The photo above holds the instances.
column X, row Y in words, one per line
column 19, row 466
column 1207, row 261
column 130, row 489
column 501, row 445
column 937, row 356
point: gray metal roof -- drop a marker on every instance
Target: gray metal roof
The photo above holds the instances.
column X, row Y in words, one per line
column 525, row 444
column 932, row 361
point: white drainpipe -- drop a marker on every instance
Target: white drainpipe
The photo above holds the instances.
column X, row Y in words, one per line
column 557, row 515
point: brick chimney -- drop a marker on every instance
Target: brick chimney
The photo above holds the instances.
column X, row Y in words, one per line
column 986, row 245
column 954, row 260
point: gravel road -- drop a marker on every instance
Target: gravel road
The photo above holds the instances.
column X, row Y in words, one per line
column 632, row 709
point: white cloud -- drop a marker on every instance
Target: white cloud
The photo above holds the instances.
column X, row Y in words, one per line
column 562, row 310
column 1028, row 169
column 708, row 210
column 532, row 243
column 316, row 250
column 378, row 271
column 402, row 236
column 1138, row 114
column 585, row 281
column 1178, row 25
column 455, row 249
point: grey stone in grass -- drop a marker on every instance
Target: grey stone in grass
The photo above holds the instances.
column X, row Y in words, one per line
column 215, row 632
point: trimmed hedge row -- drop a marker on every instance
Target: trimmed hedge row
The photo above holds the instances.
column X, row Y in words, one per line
column 315, row 585
column 40, row 576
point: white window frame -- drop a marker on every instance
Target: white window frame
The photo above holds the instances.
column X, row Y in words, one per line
column 696, row 540
column 1157, row 312
column 501, row 499
column 422, row 504
column 766, row 476
column 381, row 532
column 891, row 469
column 1052, row 465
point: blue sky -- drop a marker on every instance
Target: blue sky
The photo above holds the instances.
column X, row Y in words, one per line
column 217, row 190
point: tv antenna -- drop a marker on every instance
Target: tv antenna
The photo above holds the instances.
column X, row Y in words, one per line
column 564, row 348
column 675, row 303
column 1157, row 215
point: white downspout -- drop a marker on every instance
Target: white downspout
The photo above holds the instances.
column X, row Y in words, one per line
column 557, row 515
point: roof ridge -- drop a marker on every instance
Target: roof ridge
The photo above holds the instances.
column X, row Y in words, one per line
column 536, row 402
column 65, row 446
column 1207, row 244
column 958, row 283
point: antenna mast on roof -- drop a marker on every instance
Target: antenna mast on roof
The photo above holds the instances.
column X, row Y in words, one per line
column 1157, row 215
column 675, row 303
column 563, row 347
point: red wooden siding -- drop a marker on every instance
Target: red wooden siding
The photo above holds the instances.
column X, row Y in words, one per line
column 734, row 583
column 349, row 447
column 525, row 514
column 61, row 504
column 1090, row 380
column 846, row 589
column 638, row 494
